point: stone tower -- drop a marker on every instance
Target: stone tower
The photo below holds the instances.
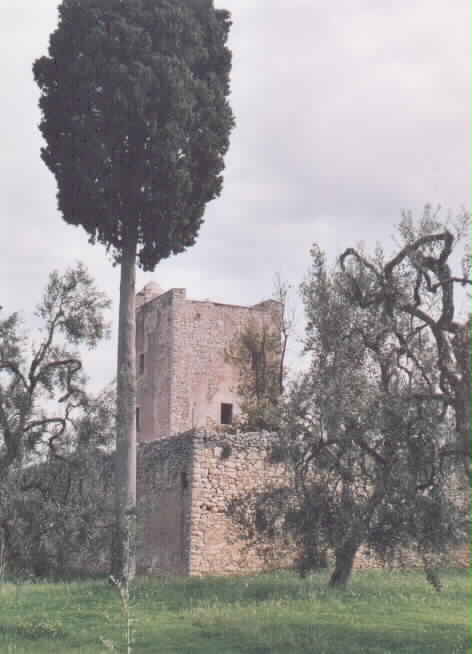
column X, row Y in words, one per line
column 185, row 380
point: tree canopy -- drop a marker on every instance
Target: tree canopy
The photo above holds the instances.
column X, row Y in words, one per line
column 416, row 293
column 368, row 432
column 45, row 414
column 136, row 120
column 42, row 382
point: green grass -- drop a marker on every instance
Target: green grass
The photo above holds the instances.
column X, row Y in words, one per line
column 381, row 613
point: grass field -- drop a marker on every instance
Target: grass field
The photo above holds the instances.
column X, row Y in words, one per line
column 382, row 612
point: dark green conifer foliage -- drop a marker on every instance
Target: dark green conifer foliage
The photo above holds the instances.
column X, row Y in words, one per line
column 136, row 119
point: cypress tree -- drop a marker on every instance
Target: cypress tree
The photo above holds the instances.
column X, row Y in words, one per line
column 136, row 119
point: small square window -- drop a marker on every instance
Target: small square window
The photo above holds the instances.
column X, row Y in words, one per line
column 141, row 364
column 226, row 414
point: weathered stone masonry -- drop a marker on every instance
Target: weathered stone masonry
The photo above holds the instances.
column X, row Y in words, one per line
column 185, row 486
column 164, row 491
column 189, row 470
column 187, row 477
column 184, row 375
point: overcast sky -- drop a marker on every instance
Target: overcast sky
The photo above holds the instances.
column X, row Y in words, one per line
column 347, row 112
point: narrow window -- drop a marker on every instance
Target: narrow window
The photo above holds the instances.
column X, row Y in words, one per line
column 141, row 364
column 138, row 419
column 226, row 414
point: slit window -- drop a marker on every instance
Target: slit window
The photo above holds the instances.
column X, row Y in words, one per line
column 226, row 414
column 138, row 419
column 141, row 364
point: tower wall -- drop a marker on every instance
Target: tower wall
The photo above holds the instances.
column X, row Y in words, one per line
column 204, row 377
column 184, row 373
column 156, row 355
column 164, row 492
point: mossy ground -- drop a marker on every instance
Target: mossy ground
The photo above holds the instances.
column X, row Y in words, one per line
column 381, row 613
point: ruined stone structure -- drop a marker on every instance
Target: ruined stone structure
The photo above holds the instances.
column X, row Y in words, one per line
column 185, row 485
column 185, row 380
column 190, row 469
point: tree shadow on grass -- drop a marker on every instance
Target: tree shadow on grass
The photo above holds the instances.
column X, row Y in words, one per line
column 295, row 637
column 185, row 593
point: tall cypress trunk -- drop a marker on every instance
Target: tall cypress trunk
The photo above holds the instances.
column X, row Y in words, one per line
column 124, row 536
column 344, row 561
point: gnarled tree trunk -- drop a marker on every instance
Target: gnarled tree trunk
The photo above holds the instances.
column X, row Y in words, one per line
column 463, row 393
column 344, row 561
column 124, row 536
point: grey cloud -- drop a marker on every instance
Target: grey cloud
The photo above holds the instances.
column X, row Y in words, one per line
column 371, row 114
column 346, row 113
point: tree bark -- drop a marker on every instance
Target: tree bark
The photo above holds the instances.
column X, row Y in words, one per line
column 124, row 536
column 463, row 393
column 344, row 561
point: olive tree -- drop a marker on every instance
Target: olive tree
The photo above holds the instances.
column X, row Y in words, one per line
column 374, row 418
column 367, row 433
column 41, row 379
column 56, row 513
column 42, row 396
column 416, row 292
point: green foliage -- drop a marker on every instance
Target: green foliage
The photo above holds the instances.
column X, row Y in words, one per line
column 257, row 352
column 50, row 483
column 136, row 118
column 415, row 292
column 367, row 437
column 97, row 424
column 56, row 513
column 42, row 384
column 382, row 613
column 56, row 516
column 73, row 307
column 11, row 340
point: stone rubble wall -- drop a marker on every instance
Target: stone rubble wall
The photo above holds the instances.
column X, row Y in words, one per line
column 164, row 490
column 227, row 468
column 186, row 487
column 407, row 558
